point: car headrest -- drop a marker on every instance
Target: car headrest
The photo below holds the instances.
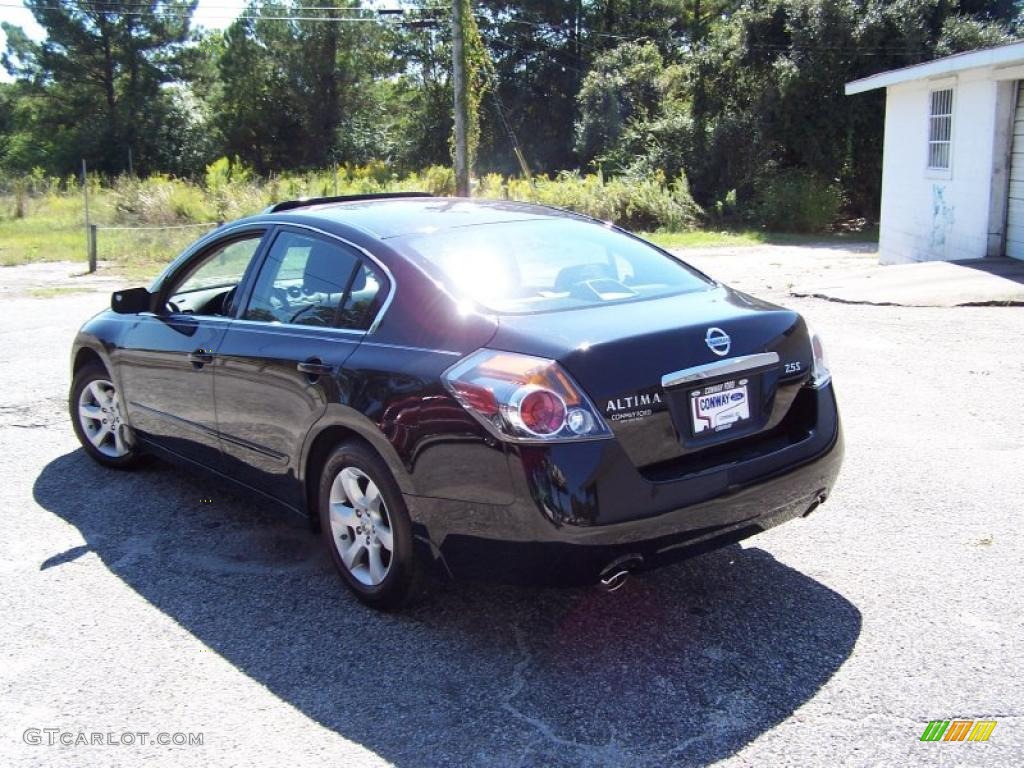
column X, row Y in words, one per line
column 579, row 273
column 325, row 270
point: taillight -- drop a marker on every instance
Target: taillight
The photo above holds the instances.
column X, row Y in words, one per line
column 820, row 374
column 523, row 398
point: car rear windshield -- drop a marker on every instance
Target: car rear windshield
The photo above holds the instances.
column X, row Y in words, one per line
column 551, row 264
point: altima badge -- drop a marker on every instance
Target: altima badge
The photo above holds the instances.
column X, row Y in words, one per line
column 718, row 341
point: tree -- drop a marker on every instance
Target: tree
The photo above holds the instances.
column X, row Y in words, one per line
column 539, row 61
column 767, row 87
column 99, row 77
column 623, row 92
column 299, row 92
column 420, row 120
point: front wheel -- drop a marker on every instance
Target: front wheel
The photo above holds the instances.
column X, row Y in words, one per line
column 367, row 529
column 98, row 419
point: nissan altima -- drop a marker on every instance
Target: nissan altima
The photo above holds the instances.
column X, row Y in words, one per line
column 472, row 389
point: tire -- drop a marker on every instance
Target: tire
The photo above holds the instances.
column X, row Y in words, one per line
column 356, row 486
column 93, row 392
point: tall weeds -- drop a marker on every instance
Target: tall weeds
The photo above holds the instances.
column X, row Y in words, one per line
column 229, row 191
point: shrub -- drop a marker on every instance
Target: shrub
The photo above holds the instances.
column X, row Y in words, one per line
column 223, row 172
column 797, row 201
column 376, row 170
column 438, row 180
column 160, row 200
column 632, row 201
column 230, row 191
column 492, row 187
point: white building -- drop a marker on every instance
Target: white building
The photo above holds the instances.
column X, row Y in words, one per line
column 953, row 160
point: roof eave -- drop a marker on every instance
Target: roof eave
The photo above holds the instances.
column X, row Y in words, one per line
column 1003, row 55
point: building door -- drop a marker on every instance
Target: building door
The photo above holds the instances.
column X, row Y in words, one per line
column 1015, row 210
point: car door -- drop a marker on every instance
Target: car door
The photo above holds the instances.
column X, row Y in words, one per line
column 279, row 363
column 164, row 361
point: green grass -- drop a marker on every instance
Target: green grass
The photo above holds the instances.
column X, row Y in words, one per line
column 53, row 229
column 50, row 231
column 139, row 255
column 706, row 238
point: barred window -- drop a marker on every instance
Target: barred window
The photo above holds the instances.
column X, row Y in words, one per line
column 940, row 130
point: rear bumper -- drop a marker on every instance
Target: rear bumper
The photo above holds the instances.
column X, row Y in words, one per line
column 581, row 507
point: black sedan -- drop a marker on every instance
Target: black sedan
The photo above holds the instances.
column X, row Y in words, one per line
column 477, row 389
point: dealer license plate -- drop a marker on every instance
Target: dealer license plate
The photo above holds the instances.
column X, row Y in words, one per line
column 721, row 406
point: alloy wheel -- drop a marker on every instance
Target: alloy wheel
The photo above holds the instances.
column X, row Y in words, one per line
column 361, row 526
column 99, row 414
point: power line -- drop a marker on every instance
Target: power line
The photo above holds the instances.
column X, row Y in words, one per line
column 516, row 49
column 796, row 47
column 118, row 7
column 116, row 4
column 415, row 14
column 580, row 41
column 169, row 14
column 589, row 33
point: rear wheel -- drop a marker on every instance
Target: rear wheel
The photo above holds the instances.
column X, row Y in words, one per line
column 367, row 529
column 98, row 419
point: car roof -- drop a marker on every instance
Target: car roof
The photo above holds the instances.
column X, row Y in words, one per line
column 395, row 217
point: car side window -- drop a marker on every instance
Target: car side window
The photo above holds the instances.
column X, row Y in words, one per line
column 208, row 286
column 302, row 281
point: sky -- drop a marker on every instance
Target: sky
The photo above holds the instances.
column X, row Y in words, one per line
column 212, row 14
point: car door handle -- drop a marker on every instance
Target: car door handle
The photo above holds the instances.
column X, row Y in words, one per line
column 199, row 357
column 315, row 367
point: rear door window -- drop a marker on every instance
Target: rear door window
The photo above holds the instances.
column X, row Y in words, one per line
column 364, row 300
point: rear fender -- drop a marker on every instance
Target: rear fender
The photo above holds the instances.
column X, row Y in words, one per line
column 351, row 420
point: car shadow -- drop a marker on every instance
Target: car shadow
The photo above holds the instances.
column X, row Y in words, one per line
column 682, row 666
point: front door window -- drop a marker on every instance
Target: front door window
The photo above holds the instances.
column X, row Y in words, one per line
column 208, row 286
column 303, row 281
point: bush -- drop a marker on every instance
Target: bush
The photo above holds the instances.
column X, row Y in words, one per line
column 797, row 201
column 224, row 172
column 491, row 186
column 160, row 200
column 437, row 180
column 647, row 202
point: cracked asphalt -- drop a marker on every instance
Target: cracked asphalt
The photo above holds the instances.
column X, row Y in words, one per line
column 130, row 605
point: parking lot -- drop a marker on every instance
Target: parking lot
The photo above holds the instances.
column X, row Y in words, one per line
column 165, row 602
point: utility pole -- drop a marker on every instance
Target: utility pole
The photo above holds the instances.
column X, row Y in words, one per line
column 461, row 102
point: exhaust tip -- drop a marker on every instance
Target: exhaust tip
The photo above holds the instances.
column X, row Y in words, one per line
column 615, row 581
column 818, row 501
column 616, row 574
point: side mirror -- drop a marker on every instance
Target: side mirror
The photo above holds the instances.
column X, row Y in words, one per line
column 131, row 301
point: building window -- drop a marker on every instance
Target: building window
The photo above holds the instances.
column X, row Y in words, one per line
column 940, row 130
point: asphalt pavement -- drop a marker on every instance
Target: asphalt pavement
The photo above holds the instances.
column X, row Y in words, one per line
column 163, row 602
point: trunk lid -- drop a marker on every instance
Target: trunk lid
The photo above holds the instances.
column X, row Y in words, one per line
column 618, row 353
